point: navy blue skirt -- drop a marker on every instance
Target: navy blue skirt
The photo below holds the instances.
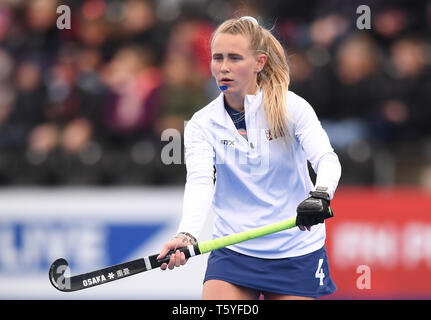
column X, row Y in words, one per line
column 306, row 275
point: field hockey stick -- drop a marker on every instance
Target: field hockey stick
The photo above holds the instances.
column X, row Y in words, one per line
column 122, row 270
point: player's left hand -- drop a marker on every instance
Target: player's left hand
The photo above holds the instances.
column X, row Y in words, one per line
column 313, row 210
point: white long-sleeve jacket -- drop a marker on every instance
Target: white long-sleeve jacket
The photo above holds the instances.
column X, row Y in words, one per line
column 259, row 181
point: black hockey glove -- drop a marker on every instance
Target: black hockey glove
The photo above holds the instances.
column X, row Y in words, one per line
column 315, row 209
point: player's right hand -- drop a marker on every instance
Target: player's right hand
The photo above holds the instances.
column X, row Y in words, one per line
column 178, row 258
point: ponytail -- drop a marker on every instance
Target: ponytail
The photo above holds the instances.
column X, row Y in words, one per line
column 274, row 80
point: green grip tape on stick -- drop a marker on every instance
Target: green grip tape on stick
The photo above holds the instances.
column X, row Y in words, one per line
column 214, row 244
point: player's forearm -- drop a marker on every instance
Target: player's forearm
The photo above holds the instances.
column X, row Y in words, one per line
column 199, row 189
column 196, row 205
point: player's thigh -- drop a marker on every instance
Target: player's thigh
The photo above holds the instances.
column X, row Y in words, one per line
column 279, row 296
column 221, row 290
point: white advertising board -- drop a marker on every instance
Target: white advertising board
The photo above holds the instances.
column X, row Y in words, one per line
column 91, row 229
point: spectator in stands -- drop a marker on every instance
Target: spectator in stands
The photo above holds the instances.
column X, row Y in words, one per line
column 134, row 95
column 26, row 109
column 311, row 81
column 139, row 26
column 357, row 88
column 406, row 112
column 68, row 111
column 41, row 36
column 185, row 72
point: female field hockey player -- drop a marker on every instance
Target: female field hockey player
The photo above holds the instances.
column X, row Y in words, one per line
column 258, row 136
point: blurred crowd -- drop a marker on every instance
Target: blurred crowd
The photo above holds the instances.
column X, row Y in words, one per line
column 88, row 105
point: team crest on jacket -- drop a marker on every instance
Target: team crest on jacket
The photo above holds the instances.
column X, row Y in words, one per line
column 268, row 134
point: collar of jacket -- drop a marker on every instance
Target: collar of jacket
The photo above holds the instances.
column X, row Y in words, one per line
column 219, row 114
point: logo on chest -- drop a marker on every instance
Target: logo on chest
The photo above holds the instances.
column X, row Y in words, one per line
column 227, row 142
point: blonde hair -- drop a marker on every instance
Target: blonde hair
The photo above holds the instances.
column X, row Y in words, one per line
column 274, row 78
